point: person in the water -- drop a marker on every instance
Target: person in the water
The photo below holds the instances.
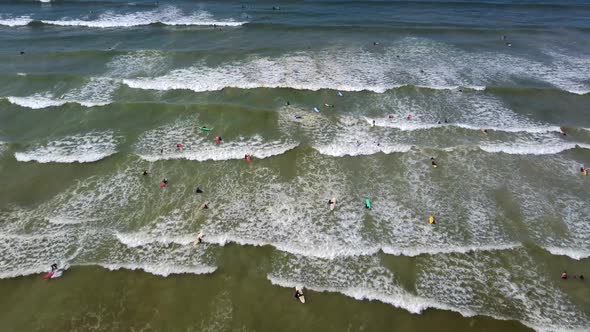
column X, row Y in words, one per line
column 218, row 139
column 146, row 172
column 433, row 162
column 198, row 191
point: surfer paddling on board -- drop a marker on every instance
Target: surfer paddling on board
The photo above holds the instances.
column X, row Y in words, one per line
column 53, row 267
column 164, row 183
column 200, row 237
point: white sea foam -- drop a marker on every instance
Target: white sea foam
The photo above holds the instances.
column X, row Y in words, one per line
column 15, row 21
column 409, row 62
column 167, row 15
column 163, row 269
column 531, row 149
column 570, row 252
column 505, row 285
column 36, row 101
column 81, row 148
column 200, row 146
column 435, row 250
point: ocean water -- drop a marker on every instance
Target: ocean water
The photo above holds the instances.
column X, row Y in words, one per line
column 94, row 92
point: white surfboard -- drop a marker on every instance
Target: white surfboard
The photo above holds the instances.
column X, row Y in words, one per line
column 333, row 205
column 301, row 298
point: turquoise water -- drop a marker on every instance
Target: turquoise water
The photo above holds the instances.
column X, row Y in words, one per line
column 94, row 92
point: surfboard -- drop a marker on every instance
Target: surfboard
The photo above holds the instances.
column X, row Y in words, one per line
column 54, row 274
column 204, row 205
column 301, row 298
column 316, row 109
column 333, row 205
column 368, row 203
column 205, row 128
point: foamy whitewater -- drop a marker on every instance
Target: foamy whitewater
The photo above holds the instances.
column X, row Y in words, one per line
column 474, row 114
column 82, row 148
column 167, row 15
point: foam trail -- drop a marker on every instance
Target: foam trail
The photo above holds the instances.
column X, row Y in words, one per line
column 163, row 269
column 81, row 148
column 430, row 250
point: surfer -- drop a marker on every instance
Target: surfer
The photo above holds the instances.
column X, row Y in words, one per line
column 288, row 103
column 446, row 121
column 391, row 116
column 584, row 171
column 409, row 116
column 562, row 130
column 204, row 206
column 161, row 150
column 178, row 147
column 198, row 191
column 146, row 172
column 298, row 117
column 200, row 238
column 373, row 123
column 431, row 220
column 297, row 294
column 53, row 267
column 433, row 162
column 484, row 131
column 248, row 158
column 330, row 202
column 564, row 275
column 164, row 183
column 218, row 139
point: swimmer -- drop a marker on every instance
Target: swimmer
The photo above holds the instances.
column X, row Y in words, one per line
column 484, row 131
column 391, row 116
column 409, row 116
column 562, row 130
column 584, row 171
column 375, row 43
column 218, row 139
column 288, row 103
column 329, row 105
column 248, row 158
column 22, row 52
column 298, row 117
column 433, row 162
column 204, row 206
column 564, row 275
column 446, row 121
column 200, row 238
column 164, row 183
column 198, row 191
column 508, row 44
column 431, row 220
column 373, row 123
column 162, row 150
column 438, row 122
column 178, row 147
column 146, row 172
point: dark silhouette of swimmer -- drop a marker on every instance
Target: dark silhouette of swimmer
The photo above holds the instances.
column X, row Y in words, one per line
column 198, row 191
